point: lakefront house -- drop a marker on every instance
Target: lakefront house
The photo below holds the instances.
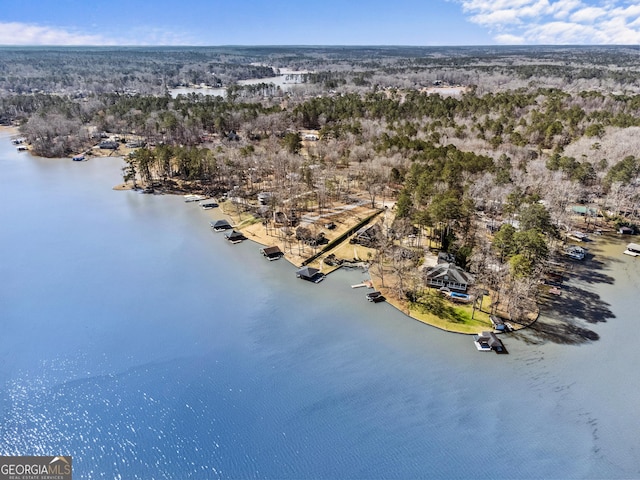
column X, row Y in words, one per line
column 448, row 275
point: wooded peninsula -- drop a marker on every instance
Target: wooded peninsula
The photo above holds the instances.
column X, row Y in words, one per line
column 459, row 175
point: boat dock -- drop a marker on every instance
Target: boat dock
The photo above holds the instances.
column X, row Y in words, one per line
column 487, row 342
column 193, row 198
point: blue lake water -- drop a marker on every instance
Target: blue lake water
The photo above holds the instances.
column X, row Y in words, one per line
column 138, row 341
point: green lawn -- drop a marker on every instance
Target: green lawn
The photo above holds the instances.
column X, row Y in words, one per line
column 440, row 312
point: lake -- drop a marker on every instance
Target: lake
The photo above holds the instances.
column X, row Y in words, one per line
column 144, row 345
column 286, row 80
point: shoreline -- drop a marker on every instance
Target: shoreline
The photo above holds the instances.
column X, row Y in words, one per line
column 248, row 227
column 244, row 224
column 293, row 259
column 236, row 221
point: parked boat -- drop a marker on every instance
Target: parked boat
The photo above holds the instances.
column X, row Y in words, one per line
column 208, row 204
column 633, row 249
column 79, row 158
column 575, row 252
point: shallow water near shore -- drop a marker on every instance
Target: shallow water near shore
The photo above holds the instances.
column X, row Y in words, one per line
column 141, row 343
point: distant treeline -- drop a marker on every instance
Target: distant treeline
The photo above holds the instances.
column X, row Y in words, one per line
column 152, row 70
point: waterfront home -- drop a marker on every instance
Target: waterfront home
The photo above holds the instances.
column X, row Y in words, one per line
column 367, row 236
column 108, row 145
column 448, row 275
column 282, row 219
column 235, row 237
column 487, row 341
column 310, row 274
column 272, row 253
column 220, row 225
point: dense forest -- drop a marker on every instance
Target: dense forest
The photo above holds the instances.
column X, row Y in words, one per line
column 487, row 150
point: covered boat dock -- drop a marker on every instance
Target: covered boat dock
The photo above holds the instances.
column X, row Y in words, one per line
column 272, row 253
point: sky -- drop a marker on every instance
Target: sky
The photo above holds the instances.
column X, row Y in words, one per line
column 330, row 22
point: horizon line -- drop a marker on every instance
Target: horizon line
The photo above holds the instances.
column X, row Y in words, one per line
column 328, row 45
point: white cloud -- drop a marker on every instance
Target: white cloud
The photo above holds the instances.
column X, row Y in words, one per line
column 498, row 17
column 588, row 14
column 557, row 21
column 632, row 11
column 508, row 39
column 562, row 33
column 561, row 10
column 473, row 5
column 15, row 33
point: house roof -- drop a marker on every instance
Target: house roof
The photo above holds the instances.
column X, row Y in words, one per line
column 490, row 339
column 233, row 235
column 452, row 272
column 368, row 229
column 268, row 251
column 220, row 223
column 307, row 272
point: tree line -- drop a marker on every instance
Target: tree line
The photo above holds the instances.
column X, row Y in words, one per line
column 512, row 159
